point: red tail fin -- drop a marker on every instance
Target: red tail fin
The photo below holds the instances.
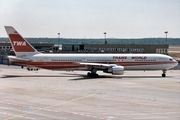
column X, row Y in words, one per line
column 19, row 44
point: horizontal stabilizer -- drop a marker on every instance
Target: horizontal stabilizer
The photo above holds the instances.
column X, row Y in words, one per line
column 14, row 58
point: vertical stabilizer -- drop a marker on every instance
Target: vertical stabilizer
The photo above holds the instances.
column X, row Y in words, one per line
column 19, row 44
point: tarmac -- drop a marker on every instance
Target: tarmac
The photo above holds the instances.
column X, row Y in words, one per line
column 64, row 95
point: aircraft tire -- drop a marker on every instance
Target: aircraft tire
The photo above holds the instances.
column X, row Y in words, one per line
column 163, row 75
column 89, row 74
column 92, row 75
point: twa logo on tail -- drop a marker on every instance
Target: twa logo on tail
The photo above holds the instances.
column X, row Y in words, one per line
column 19, row 43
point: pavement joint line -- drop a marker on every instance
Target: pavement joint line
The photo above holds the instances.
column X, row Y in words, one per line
column 40, row 109
column 22, row 111
column 58, row 88
column 72, row 100
column 83, row 97
column 18, row 116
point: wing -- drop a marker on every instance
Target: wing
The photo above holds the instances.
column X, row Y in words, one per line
column 108, row 68
column 98, row 66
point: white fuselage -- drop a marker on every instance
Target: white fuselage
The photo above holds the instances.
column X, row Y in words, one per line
column 129, row 61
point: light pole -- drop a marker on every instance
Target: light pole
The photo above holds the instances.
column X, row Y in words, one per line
column 105, row 37
column 58, row 40
column 166, row 32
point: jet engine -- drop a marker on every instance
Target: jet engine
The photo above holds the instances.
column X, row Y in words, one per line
column 115, row 70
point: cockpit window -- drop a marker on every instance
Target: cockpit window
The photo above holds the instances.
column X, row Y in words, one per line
column 171, row 59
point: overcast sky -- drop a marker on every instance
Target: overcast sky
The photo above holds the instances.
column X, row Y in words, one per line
column 91, row 18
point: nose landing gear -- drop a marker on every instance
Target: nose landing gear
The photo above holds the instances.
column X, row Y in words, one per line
column 164, row 73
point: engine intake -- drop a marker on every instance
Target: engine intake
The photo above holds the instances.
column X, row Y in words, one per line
column 116, row 70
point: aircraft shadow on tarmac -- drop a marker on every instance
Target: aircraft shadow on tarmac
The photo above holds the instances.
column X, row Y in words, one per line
column 14, row 76
column 85, row 77
column 82, row 76
column 115, row 77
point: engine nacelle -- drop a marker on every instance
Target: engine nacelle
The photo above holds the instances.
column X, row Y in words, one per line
column 116, row 70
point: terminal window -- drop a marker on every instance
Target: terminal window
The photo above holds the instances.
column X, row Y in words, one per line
column 161, row 50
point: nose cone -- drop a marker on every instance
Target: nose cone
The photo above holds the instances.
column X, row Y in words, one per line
column 176, row 63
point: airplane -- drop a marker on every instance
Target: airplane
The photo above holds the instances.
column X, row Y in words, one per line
column 115, row 64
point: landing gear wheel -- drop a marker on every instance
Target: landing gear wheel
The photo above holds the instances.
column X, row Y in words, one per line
column 163, row 75
column 28, row 69
column 92, row 74
column 88, row 74
column 95, row 75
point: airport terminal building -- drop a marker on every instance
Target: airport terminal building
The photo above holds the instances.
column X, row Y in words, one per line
column 96, row 48
column 37, row 46
column 117, row 48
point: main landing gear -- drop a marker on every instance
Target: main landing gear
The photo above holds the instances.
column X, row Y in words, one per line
column 92, row 73
column 32, row 69
column 164, row 73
